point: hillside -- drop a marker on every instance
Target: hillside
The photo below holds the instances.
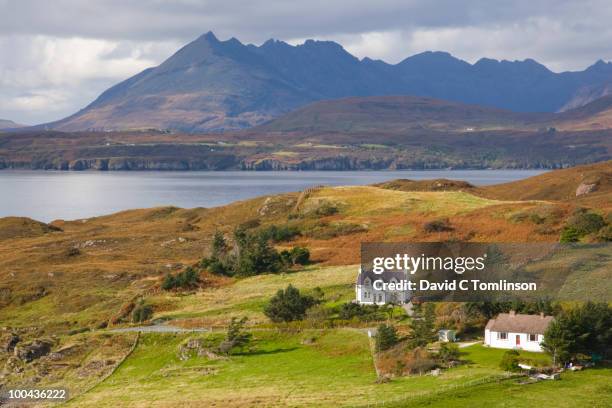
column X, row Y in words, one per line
column 590, row 184
column 73, row 286
column 390, row 132
column 211, row 85
column 393, row 114
column 9, row 124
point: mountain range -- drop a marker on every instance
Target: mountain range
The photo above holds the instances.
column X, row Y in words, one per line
column 9, row 124
column 211, row 85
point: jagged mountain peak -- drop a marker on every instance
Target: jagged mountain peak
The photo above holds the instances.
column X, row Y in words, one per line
column 212, row 84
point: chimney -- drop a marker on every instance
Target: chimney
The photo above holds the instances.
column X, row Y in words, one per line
column 512, row 313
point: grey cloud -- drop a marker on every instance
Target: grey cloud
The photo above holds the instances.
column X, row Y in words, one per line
column 129, row 34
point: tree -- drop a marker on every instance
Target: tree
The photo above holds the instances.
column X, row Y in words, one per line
column 556, row 342
column 509, row 361
column 236, row 336
column 219, row 246
column 586, row 329
column 141, row 312
column 423, row 325
column 386, row 337
column 448, row 352
column 288, row 305
column 255, row 255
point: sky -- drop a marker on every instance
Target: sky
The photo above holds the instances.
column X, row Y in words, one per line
column 58, row 56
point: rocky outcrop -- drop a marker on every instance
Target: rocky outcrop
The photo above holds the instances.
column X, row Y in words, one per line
column 8, row 342
column 585, row 188
column 32, row 350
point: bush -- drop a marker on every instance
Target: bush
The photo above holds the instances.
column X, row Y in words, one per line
column 296, row 256
column 288, row 305
column 236, row 336
column 401, row 361
column 142, row 313
column 438, row 226
column 509, row 361
column 586, row 222
column 569, row 234
column 605, row 234
column 364, row 313
column 326, row 209
column 580, row 224
column 280, row 233
column 386, row 337
column 325, row 230
column 448, row 352
column 183, row 280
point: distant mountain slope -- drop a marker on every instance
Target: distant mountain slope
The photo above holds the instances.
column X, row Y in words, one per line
column 413, row 113
column 399, row 114
column 9, row 124
column 596, row 114
column 212, row 85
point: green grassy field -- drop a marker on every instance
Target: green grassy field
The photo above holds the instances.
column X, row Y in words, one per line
column 247, row 297
column 336, row 370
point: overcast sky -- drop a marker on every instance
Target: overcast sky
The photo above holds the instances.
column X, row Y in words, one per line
column 57, row 56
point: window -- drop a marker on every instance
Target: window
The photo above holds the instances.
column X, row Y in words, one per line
column 533, row 337
column 502, row 336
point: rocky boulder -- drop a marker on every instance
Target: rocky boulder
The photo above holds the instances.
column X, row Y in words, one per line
column 8, row 342
column 32, row 350
column 585, row 188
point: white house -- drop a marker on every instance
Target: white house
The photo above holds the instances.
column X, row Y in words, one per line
column 369, row 293
column 517, row 331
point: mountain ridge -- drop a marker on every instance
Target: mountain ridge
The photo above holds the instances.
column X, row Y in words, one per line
column 211, row 85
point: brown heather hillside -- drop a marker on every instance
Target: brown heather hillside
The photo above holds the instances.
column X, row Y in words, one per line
column 589, row 185
column 83, row 273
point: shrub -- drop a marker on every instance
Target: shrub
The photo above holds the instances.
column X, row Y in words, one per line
column 326, row 209
column 580, row 224
column 605, row 234
column 401, row 361
column 365, row 313
column 569, row 234
column 586, row 222
column 236, row 337
column 386, row 337
column 142, row 313
column 296, row 256
column 184, row 280
column 288, row 305
column 324, row 230
column 280, row 233
column 438, row 226
column 448, row 352
column 509, row 361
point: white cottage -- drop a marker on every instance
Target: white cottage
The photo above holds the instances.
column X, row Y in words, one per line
column 517, row 331
column 367, row 294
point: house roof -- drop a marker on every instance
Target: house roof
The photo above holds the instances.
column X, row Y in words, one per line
column 519, row 323
column 386, row 276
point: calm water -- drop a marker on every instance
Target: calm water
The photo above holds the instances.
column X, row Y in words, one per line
column 47, row 196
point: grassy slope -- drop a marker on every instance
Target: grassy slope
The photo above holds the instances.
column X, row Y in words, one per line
column 336, row 370
column 560, row 185
column 124, row 255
